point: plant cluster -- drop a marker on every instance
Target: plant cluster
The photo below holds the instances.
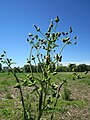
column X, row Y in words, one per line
column 47, row 92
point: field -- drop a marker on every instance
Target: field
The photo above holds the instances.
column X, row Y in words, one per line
column 76, row 108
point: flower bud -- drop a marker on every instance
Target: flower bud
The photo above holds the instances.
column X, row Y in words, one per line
column 58, row 34
column 53, row 35
column 36, row 36
column 28, row 61
column 57, row 56
column 41, row 55
column 66, row 33
column 48, row 34
column 4, row 52
column 32, row 38
column 57, row 19
column 60, row 59
column 75, row 37
column 63, row 33
column 8, row 60
column 33, row 58
column 54, row 50
column 70, row 30
column 2, row 55
column 68, row 42
column 75, row 43
column 51, row 24
column 43, row 47
column 27, row 39
column 30, row 34
column 65, row 39
column 37, row 28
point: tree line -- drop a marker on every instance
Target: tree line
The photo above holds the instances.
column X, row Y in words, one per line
column 59, row 68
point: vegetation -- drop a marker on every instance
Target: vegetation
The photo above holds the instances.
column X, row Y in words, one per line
column 44, row 88
column 59, row 68
column 0, row 67
column 77, row 107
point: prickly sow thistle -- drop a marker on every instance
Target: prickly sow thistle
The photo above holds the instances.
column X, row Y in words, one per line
column 46, row 91
column 48, row 44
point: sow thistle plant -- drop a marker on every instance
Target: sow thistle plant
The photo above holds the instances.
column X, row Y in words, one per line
column 47, row 92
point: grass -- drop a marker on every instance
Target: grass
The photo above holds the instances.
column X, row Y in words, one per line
column 76, row 108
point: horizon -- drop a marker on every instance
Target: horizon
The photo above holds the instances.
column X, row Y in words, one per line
column 60, row 64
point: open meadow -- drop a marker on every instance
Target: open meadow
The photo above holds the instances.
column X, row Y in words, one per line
column 77, row 107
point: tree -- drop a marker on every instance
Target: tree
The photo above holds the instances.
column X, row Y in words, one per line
column 0, row 67
column 72, row 67
column 6, row 69
column 26, row 68
column 82, row 68
column 40, row 67
column 16, row 70
column 88, row 67
column 62, row 69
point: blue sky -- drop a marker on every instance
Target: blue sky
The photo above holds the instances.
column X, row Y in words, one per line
column 18, row 16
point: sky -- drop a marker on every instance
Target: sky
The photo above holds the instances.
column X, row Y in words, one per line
column 18, row 16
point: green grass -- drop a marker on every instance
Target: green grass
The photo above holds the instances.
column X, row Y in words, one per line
column 11, row 108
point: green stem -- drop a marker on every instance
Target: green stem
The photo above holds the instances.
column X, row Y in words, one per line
column 30, row 60
column 44, row 35
column 62, row 48
column 40, row 110
column 60, row 51
column 45, row 97
column 22, row 99
column 55, row 27
column 36, row 69
column 58, row 90
column 20, row 89
column 39, row 61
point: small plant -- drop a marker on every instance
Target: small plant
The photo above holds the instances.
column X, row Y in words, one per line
column 42, row 52
column 66, row 94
